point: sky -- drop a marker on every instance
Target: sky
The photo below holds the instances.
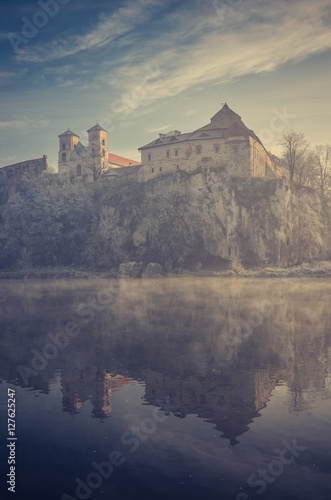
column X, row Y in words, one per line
column 141, row 67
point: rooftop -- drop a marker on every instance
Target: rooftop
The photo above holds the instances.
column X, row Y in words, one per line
column 68, row 132
column 97, row 127
column 225, row 123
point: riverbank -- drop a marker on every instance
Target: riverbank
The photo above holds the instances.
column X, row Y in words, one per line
column 306, row 270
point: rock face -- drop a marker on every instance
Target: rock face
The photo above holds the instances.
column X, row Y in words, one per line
column 130, row 269
column 181, row 220
column 153, row 270
column 188, row 219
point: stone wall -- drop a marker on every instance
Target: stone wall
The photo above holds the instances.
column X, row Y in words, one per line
column 206, row 154
column 237, row 156
column 18, row 172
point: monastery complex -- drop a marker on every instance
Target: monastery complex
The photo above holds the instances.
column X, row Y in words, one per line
column 223, row 144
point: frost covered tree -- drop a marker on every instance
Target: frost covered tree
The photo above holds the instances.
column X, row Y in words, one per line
column 295, row 147
column 322, row 168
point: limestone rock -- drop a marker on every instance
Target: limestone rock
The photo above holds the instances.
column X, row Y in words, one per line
column 153, row 270
column 130, row 269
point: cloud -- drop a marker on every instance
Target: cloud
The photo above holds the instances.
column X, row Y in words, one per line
column 109, row 28
column 157, row 129
column 24, row 124
column 6, row 74
column 247, row 43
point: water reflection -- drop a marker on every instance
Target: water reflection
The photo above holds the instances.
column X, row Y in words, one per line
column 173, row 335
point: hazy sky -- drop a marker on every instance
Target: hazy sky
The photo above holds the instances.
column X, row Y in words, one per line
column 142, row 67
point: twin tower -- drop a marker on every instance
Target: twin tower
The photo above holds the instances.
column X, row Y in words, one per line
column 76, row 161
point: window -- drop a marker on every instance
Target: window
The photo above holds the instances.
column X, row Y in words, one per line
column 152, row 170
column 160, row 169
column 103, row 152
column 176, row 152
column 177, row 167
column 79, row 170
column 168, row 154
column 10, row 173
column 149, row 157
column 217, row 148
column 63, row 146
column 103, row 142
column 64, row 157
column 198, row 150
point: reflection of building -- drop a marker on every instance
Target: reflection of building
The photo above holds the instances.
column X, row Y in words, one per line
column 230, row 401
column 94, row 385
column 87, row 163
column 225, row 143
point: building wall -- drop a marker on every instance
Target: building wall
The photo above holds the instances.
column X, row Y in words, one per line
column 280, row 171
column 19, row 172
column 67, row 144
column 260, row 159
column 68, row 169
column 232, row 154
column 25, row 170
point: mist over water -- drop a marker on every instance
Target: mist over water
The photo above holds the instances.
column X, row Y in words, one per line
column 215, row 373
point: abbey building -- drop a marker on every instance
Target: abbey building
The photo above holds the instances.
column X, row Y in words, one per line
column 224, row 143
column 92, row 162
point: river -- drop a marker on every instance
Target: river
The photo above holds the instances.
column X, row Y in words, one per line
column 191, row 388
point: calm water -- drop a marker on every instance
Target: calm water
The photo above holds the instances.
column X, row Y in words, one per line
column 194, row 389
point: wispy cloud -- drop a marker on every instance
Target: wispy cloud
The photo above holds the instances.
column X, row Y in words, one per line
column 157, row 129
column 109, row 28
column 24, row 124
column 7, row 74
column 286, row 32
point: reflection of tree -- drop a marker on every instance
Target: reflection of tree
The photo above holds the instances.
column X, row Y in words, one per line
column 300, row 398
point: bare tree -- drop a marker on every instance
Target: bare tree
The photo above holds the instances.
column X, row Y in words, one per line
column 322, row 168
column 91, row 160
column 295, row 147
column 305, row 172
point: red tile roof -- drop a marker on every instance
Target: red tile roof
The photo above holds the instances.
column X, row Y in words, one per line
column 120, row 161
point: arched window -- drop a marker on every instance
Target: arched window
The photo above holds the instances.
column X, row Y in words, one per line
column 103, row 152
column 63, row 146
column 79, row 170
column 103, row 142
column 64, row 157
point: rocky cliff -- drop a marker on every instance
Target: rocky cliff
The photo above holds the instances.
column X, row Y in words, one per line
column 179, row 220
column 194, row 219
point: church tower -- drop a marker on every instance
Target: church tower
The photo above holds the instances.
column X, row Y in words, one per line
column 97, row 144
column 68, row 141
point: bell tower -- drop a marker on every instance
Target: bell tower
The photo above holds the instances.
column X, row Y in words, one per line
column 68, row 141
column 97, row 141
